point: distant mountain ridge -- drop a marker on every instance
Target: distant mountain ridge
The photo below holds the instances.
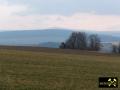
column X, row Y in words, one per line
column 33, row 37
column 46, row 37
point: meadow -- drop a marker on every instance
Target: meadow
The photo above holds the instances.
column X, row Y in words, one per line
column 52, row 69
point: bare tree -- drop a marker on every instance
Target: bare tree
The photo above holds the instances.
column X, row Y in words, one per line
column 70, row 43
column 119, row 47
column 77, row 40
column 94, row 42
column 62, row 45
column 114, row 48
column 82, row 41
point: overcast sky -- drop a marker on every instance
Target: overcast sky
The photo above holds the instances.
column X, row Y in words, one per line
column 99, row 15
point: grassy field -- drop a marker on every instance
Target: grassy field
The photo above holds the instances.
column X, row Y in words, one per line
column 55, row 70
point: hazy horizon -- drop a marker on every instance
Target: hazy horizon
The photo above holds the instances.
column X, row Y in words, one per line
column 55, row 28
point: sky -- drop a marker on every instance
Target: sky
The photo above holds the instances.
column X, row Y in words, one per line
column 95, row 15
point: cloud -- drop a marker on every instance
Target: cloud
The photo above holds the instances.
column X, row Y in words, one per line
column 68, row 7
column 8, row 10
column 84, row 21
column 11, row 19
column 7, row 13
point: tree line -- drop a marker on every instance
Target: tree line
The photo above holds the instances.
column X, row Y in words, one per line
column 116, row 48
column 83, row 41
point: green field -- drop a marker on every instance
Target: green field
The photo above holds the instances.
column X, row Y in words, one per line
column 38, row 70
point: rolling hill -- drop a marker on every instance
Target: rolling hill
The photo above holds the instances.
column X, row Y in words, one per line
column 47, row 37
column 33, row 37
